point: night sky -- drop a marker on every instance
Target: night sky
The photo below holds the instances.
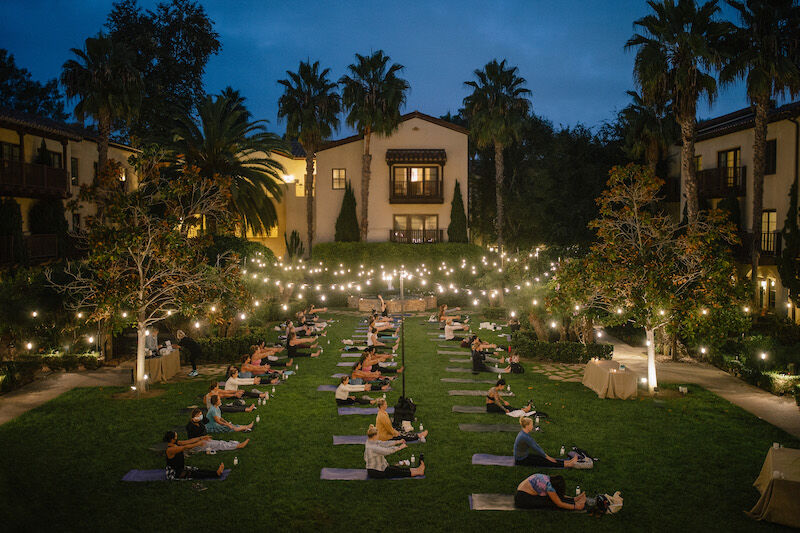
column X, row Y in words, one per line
column 571, row 52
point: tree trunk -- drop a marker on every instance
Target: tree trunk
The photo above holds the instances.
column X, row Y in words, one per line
column 104, row 130
column 539, row 328
column 498, row 190
column 140, row 336
column 652, row 381
column 688, row 175
column 310, row 198
column 759, row 166
column 651, row 157
column 366, row 161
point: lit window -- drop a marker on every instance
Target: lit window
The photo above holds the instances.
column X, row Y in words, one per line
column 338, row 178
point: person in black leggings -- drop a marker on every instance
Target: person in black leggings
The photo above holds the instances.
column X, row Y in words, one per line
column 375, row 453
column 292, row 340
column 527, row 451
column 495, row 404
column 176, row 467
column 539, row 491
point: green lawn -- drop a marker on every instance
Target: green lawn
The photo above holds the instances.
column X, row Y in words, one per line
column 688, row 464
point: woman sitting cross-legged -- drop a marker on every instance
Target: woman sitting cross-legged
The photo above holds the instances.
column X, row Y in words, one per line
column 540, row 491
column 293, row 341
column 375, row 452
column 196, row 428
column 250, row 370
column 233, row 381
column 176, row 467
column 387, row 432
column 214, row 390
column 527, row 451
column 343, row 396
column 217, row 424
column 495, row 404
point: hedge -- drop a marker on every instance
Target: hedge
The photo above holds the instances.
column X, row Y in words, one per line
column 395, row 254
column 560, row 352
column 23, row 370
column 229, row 350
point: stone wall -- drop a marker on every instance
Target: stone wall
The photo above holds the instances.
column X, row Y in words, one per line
column 412, row 305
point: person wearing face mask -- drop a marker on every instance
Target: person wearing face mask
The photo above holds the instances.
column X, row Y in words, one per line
column 197, row 428
column 176, row 466
column 217, row 424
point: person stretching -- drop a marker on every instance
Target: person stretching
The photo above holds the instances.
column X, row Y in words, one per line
column 196, row 428
column 540, row 491
column 450, row 328
column 495, row 404
column 375, row 452
column 217, row 424
column 214, row 390
column 233, row 381
column 382, row 306
column 265, row 372
column 292, row 341
column 176, row 466
column 374, row 378
column 344, row 389
column 527, row 451
column 479, row 358
column 387, row 432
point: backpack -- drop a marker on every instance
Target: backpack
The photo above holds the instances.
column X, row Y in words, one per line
column 605, row 504
column 405, row 409
column 516, row 368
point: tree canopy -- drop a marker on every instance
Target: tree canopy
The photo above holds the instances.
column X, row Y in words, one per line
column 20, row 92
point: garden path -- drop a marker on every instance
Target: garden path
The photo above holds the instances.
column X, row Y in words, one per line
column 779, row 411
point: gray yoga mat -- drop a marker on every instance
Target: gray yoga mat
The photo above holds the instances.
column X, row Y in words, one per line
column 459, row 360
column 492, row 460
column 353, row 355
column 362, row 411
column 472, row 409
column 491, row 502
column 489, row 428
column 454, row 352
column 492, row 369
column 339, row 376
column 327, row 388
column 346, row 363
column 352, row 474
column 475, row 393
column 467, row 380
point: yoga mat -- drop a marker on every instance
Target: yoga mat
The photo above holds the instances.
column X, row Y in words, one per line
column 353, row 355
column 474, row 409
column 161, row 475
column 475, row 393
column 356, row 439
column 492, row 370
column 467, row 380
column 489, row 428
column 352, row 474
column 339, row 376
column 454, row 352
column 491, row 502
column 346, row 363
column 362, row 410
column 327, row 388
column 457, row 360
column 492, row 460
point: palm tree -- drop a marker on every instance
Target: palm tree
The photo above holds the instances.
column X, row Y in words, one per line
column 649, row 130
column 496, row 110
column 766, row 57
column 372, row 94
column 220, row 139
column 108, row 87
column 311, row 107
column 679, row 47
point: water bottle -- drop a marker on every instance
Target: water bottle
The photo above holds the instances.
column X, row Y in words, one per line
column 577, row 490
column 537, row 420
column 412, row 459
column 296, row 368
column 384, row 395
column 266, row 398
column 273, row 390
column 420, row 427
column 561, row 453
column 235, row 461
column 258, row 419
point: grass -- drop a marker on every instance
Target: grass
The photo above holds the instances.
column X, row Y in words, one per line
column 686, row 464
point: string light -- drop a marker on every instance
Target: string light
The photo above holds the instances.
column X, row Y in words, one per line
column 197, row 325
column 29, row 345
column 35, row 314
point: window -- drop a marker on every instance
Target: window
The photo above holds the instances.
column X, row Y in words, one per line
column 729, row 161
column 9, row 152
column 771, row 156
column 415, row 228
column 76, row 222
column 416, row 183
column 768, row 231
column 338, row 178
column 55, row 159
column 698, row 163
column 300, row 186
column 73, row 168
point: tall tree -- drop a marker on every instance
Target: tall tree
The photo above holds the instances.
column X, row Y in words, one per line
column 347, row 222
column 104, row 80
column 496, row 110
column 457, row 229
column 222, row 140
column 18, row 91
column 372, row 94
column 173, row 43
column 649, row 130
column 310, row 105
column 678, row 49
column 764, row 52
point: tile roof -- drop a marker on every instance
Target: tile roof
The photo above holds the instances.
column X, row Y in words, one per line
column 741, row 120
column 416, row 155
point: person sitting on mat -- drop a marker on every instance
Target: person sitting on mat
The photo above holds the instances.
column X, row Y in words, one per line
column 359, row 376
column 369, row 361
column 450, row 328
column 176, row 466
column 375, row 452
column 217, row 424
column 233, row 381
column 250, row 370
column 382, row 308
column 293, row 341
column 478, row 361
column 540, row 491
column 344, row 389
column 376, row 357
column 387, row 432
column 527, row 451
column 259, row 352
column 445, row 313
column 385, row 328
column 372, row 340
column 314, row 310
column 495, row 404
column 196, row 428
column 214, row 390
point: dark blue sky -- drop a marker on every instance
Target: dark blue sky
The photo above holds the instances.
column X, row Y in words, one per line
column 571, row 52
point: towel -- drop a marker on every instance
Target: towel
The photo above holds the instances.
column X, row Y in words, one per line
column 161, row 475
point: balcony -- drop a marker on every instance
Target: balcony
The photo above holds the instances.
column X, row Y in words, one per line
column 722, row 182
column 404, row 191
column 35, row 182
column 39, row 247
column 771, row 247
column 416, row 236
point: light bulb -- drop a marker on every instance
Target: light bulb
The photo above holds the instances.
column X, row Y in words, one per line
column 197, row 325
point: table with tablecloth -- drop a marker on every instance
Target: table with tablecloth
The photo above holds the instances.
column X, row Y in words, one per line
column 163, row 367
column 608, row 381
column 779, row 485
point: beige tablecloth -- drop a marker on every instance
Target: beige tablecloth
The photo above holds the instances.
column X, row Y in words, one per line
column 779, row 485
column 608, row 381
column 163, row 367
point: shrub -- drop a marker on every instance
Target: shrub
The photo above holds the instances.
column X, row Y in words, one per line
column 457, row 230
column 17, row 373
column 495, row 313
column 347, row 223
column 228, row 350
column 561, row 352
column 239, row 246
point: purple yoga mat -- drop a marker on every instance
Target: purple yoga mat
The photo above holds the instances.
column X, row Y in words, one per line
column 339, row 376
column 160, row 475
column 362, row 410
column 327, row 388
column 346, row 363
column 355, row 439
column 355, row 474
column 492, row 460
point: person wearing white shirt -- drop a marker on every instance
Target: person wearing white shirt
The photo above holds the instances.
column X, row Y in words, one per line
column 344, row 389
column 234, row 381
column 450, row 328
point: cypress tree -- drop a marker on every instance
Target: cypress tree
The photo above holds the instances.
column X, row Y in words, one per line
column 11, row 226
column 347, row 229
column 788, row 266
column 457, row 230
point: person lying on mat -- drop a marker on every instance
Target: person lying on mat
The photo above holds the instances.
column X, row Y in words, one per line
column 176, row 466
column 375, row 452
column 250, row 370
column 527, row 451
column 387, row 432
column 343, row 396
column 451, row 327
column 217, row 424
column 197, row 428
column 358, row 376
column 233, row 381
column 496, row 404
column 293, row 341
column 214, row 390
column 540, row 491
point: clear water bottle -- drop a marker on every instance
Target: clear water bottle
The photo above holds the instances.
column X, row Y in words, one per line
column 236, row 461
column 561, row 453
column 296, row 368
column 273, row 390
column 577, row 490
column 536, row 420
column 258, row 419
column 413, row 460
column 420, row 427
